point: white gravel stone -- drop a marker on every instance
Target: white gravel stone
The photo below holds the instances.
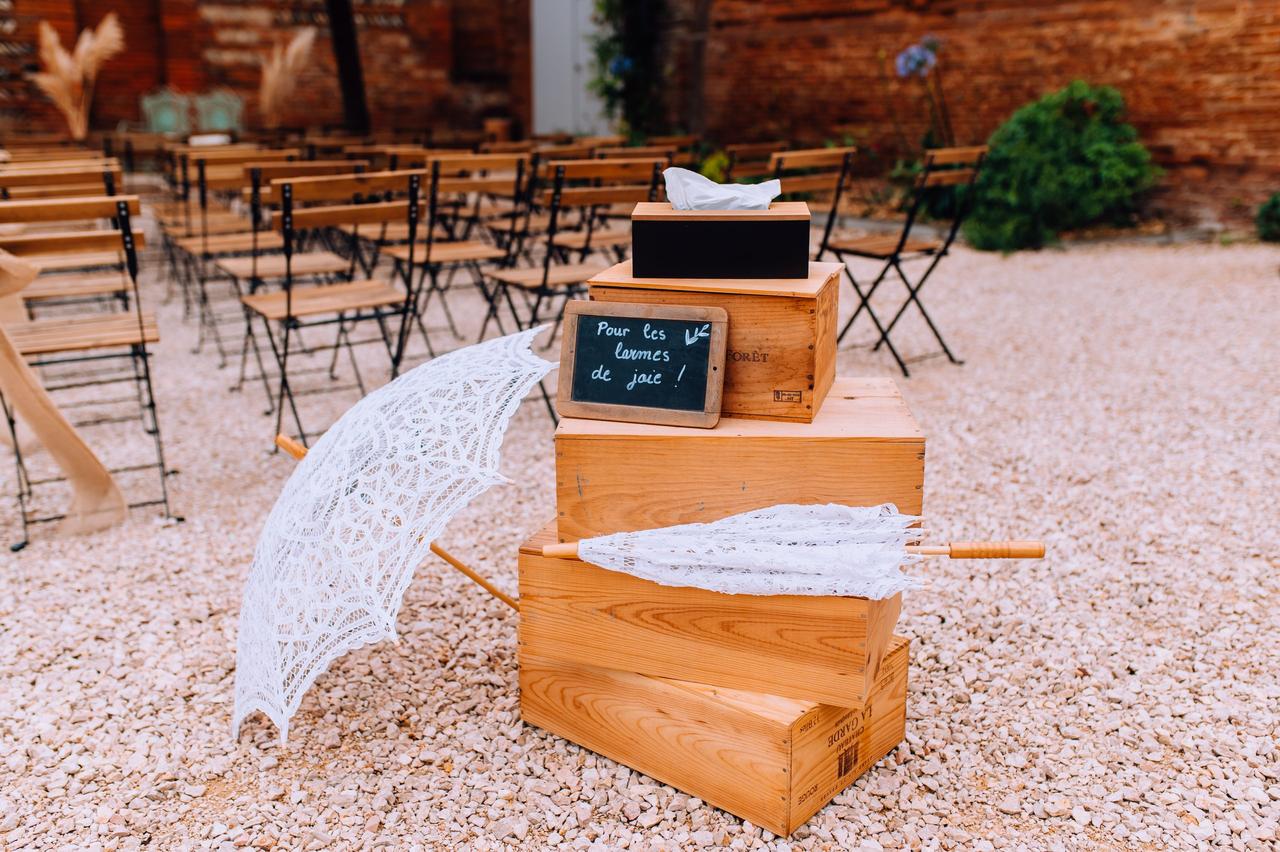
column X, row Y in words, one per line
column 1118, row 401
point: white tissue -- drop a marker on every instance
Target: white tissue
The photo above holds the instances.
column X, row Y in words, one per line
column 688, row 190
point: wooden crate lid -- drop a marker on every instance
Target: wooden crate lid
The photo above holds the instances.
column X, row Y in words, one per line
column 870, row 409
column 662, row 211
column 820, row 273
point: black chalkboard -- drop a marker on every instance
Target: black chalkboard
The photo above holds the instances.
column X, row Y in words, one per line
column 643, row 363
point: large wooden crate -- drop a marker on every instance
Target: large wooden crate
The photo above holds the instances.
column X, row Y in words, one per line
column 781, row 353
column 863, row 448
column 815, row 648
column 771, row 760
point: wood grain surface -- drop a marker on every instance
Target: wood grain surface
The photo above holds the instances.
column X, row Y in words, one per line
column 773, row 761
column 863, row 449
column 781, row 350
column 823, row 649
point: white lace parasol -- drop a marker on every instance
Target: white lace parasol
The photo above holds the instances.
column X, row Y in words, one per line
column 782, row 550
column 360, row 511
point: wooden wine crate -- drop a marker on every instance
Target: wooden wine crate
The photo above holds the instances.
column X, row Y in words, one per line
column 864, row 448
column 781, row 354
column 669, row 243
column 771, row 760
column 824, row 649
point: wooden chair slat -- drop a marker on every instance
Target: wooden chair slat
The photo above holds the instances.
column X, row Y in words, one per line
column 76, row 334
column 224, row 157
column 71, row 190
column 477, row 162
column 66, row 242
column 59, row 209
column 10, row 180
column 344, row 187
column 954, row 156
column 589, row 196
column 346, row 214
column 826, row 181
column 640, row 167
column 810, row 158
column 755, row 150
column 678, row 141
column 666, row 151
column 952, row 177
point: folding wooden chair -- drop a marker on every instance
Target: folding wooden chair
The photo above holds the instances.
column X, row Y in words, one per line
column 240, row 237
column 750, row 160
column 593, row 232
column 80, row 179
column 470, row 178
column 42, row 180
column 95, row 340
column 667, row 152
column 685, row 147
column 284, row 314
column 818, row 175
column 944, row 170
column 548, row 280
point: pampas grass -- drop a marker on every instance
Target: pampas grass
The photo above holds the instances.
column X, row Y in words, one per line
column 280, row 73
column 68, row 78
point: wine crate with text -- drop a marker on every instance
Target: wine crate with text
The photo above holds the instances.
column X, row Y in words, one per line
column 781, row 355
column 771, row 760
column 824, row 649
column 864, row 448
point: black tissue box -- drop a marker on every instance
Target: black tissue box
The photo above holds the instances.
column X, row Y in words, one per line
column 773, row 243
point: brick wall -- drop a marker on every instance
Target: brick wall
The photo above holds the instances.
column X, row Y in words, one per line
column 425, row 62
column 1201, row 77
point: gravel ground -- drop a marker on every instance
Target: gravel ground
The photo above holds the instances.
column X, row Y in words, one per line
column 1118, row 401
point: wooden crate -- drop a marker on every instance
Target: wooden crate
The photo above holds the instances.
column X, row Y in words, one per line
column 770, row 760
column 669, row 243
column 781, row 354
column 815, row 648
column 863, row 449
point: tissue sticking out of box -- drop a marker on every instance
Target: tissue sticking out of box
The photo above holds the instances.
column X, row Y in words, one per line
column 688, row 190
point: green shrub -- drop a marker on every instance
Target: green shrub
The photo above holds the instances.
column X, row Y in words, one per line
column 1269, row 219
column 715, row 166
column 1059, row 163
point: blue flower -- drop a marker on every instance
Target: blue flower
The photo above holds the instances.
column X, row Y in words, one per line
column 917, row 60
column 620, row 65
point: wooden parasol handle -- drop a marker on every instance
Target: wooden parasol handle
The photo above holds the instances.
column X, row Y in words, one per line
column 290, row 446
column 982, row 550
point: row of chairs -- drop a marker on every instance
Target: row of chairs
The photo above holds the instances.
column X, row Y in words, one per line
column 370, row 239
column 476, row 213
column 829, row 173
column 81, row 325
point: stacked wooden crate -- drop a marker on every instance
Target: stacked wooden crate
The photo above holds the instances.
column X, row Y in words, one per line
column 766, row 706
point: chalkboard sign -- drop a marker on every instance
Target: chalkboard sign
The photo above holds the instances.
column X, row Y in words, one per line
column 642, row 363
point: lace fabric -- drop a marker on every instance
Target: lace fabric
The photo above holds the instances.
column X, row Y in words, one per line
column 360, row 511
column 788, row 549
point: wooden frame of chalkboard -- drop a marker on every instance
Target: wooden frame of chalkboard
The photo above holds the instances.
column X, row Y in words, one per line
column 642, row 357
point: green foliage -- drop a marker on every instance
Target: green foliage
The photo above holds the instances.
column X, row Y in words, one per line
column 625, row 74
column 1269, row 219
column 715, row 166
column 1059, row 163
column 609, row 62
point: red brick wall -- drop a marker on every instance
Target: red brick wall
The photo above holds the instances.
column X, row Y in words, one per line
column 425, row 62
column 1201, row 77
